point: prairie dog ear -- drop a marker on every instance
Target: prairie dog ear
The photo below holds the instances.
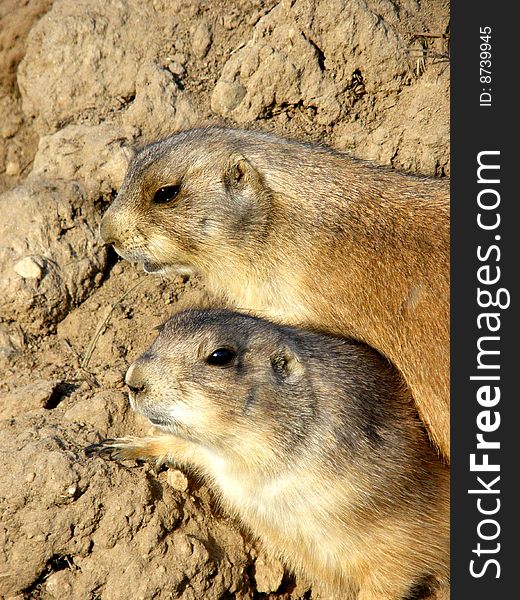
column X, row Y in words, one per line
column 287, row 365
column 240, row 172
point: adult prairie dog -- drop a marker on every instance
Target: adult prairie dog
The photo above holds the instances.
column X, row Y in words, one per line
column 311, row 441
column 303, row 235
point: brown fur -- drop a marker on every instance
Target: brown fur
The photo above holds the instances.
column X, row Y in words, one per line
column 302, row 235
column 311, row 441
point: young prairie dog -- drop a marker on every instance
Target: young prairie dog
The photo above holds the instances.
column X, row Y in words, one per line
column 310, row 441
column 302, row 235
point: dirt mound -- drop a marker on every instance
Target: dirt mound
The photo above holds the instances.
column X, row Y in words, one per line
column 82, row 81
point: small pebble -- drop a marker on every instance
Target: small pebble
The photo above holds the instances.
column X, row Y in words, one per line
column 177, row 480
column 12, row 168
column 28, row 268
column 226, row 96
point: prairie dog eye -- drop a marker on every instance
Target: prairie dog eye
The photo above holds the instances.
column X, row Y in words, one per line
column 221, row 357
column 166, row 194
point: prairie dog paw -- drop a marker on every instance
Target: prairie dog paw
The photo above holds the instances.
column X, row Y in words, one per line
column 114, row 449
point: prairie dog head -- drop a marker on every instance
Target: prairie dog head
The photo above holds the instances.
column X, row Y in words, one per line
column 186, row 203
column 228, row 381
column 261, row 392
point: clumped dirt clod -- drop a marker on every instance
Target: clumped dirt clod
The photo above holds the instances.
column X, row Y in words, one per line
column 79, row 83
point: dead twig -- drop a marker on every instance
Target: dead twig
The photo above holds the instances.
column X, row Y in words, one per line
column 92, row 345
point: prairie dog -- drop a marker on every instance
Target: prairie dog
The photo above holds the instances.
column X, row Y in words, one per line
column 312, row 442
column 302, row 235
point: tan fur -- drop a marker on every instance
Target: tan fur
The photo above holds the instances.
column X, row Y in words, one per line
column 312, row 442
column 302, row 235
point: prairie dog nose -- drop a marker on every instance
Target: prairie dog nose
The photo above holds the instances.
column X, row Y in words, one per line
column 135, row 379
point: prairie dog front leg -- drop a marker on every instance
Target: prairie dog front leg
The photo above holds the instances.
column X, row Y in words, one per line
column 160, row 449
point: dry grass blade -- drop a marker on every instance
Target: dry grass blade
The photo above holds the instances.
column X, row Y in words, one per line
column 92, row 344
